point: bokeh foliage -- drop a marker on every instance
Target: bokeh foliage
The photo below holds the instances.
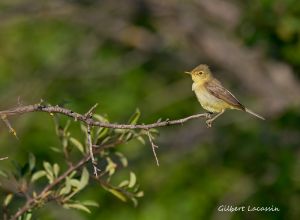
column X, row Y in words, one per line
column 76, row 60
column 274, row 24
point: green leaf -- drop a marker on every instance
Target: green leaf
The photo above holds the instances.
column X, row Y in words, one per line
column 101, row 133
column 100, row 118
column 31, row 161
column 123, row 183
column 135, row 201
column 83, row 128
column 154, row 131
column 47, row 166
column 73, row 174
column 111, row 167
column 76, row 206
column 49, row 172
column 118, row 194
column 75, row 183
column 132, row 180
column 140, row 194
column 84, row 180
column 120, row 131
column 90, row 203
column 8, row 199
column 106, row 140
column 77, row 144
column 55, row 149
column 28, row 216
column 122, row 158
column 65, row 142
column 141, row 139
column 37, row 175
column 67, row 126
column 56, row 169
column 135, row 117
column 129, row 136
column 67, row 188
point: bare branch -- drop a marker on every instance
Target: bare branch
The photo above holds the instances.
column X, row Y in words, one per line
column 90, row 144
column 92, row 122
column 154, row 147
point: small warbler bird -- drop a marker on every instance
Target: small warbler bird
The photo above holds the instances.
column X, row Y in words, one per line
column 212, row 96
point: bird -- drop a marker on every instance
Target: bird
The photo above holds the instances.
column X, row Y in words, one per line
column 213, row 96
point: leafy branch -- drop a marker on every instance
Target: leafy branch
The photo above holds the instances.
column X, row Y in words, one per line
column 89, row 121
column 101, row 136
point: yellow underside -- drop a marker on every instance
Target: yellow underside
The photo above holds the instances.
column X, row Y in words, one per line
column 210, row 102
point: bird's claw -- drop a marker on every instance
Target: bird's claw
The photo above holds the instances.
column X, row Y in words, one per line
column 209, row 122
column 208, row 115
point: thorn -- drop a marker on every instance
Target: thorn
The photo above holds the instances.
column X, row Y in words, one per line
column 154, row 147
column 90, row 112
column 19, row 101
column 7, row 123
column 167, row 121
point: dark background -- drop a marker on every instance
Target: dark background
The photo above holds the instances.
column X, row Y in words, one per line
column 132, row 53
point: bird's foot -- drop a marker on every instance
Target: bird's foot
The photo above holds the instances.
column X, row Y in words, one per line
column 209, row 123
column 208, row 115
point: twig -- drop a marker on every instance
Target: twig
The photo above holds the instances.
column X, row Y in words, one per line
column 90, row 144
column 7, row 123
column 32, row 202
column 154, row 147
column 90, row 112
column 92, row 122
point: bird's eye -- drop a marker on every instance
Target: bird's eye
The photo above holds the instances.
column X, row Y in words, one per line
column 201, row 72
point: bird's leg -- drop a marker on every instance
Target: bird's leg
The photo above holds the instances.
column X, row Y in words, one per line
column 209, row 121
column 208, row 115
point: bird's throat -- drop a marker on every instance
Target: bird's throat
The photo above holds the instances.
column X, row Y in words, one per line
column 197, row 85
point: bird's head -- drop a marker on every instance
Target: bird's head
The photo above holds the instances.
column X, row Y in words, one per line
column 200, row 74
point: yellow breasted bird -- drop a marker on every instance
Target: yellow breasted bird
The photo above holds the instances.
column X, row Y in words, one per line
column 212, row 96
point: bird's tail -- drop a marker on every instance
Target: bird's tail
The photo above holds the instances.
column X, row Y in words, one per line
column 253, row 113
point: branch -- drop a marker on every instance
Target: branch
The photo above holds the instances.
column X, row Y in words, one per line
column 89, row 121
column 154, row 147
column 32, row 202
column 90, row 145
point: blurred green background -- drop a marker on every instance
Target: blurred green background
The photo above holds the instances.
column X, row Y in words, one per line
column 132, row 53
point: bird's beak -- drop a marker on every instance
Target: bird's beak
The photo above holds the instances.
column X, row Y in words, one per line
column 187, row 72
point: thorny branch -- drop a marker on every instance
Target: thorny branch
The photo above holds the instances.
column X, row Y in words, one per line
column 154, row 147
column 90, row 145
column 32, row 202
column 89, row 121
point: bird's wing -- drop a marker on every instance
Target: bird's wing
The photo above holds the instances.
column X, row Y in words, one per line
column 216, row 89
